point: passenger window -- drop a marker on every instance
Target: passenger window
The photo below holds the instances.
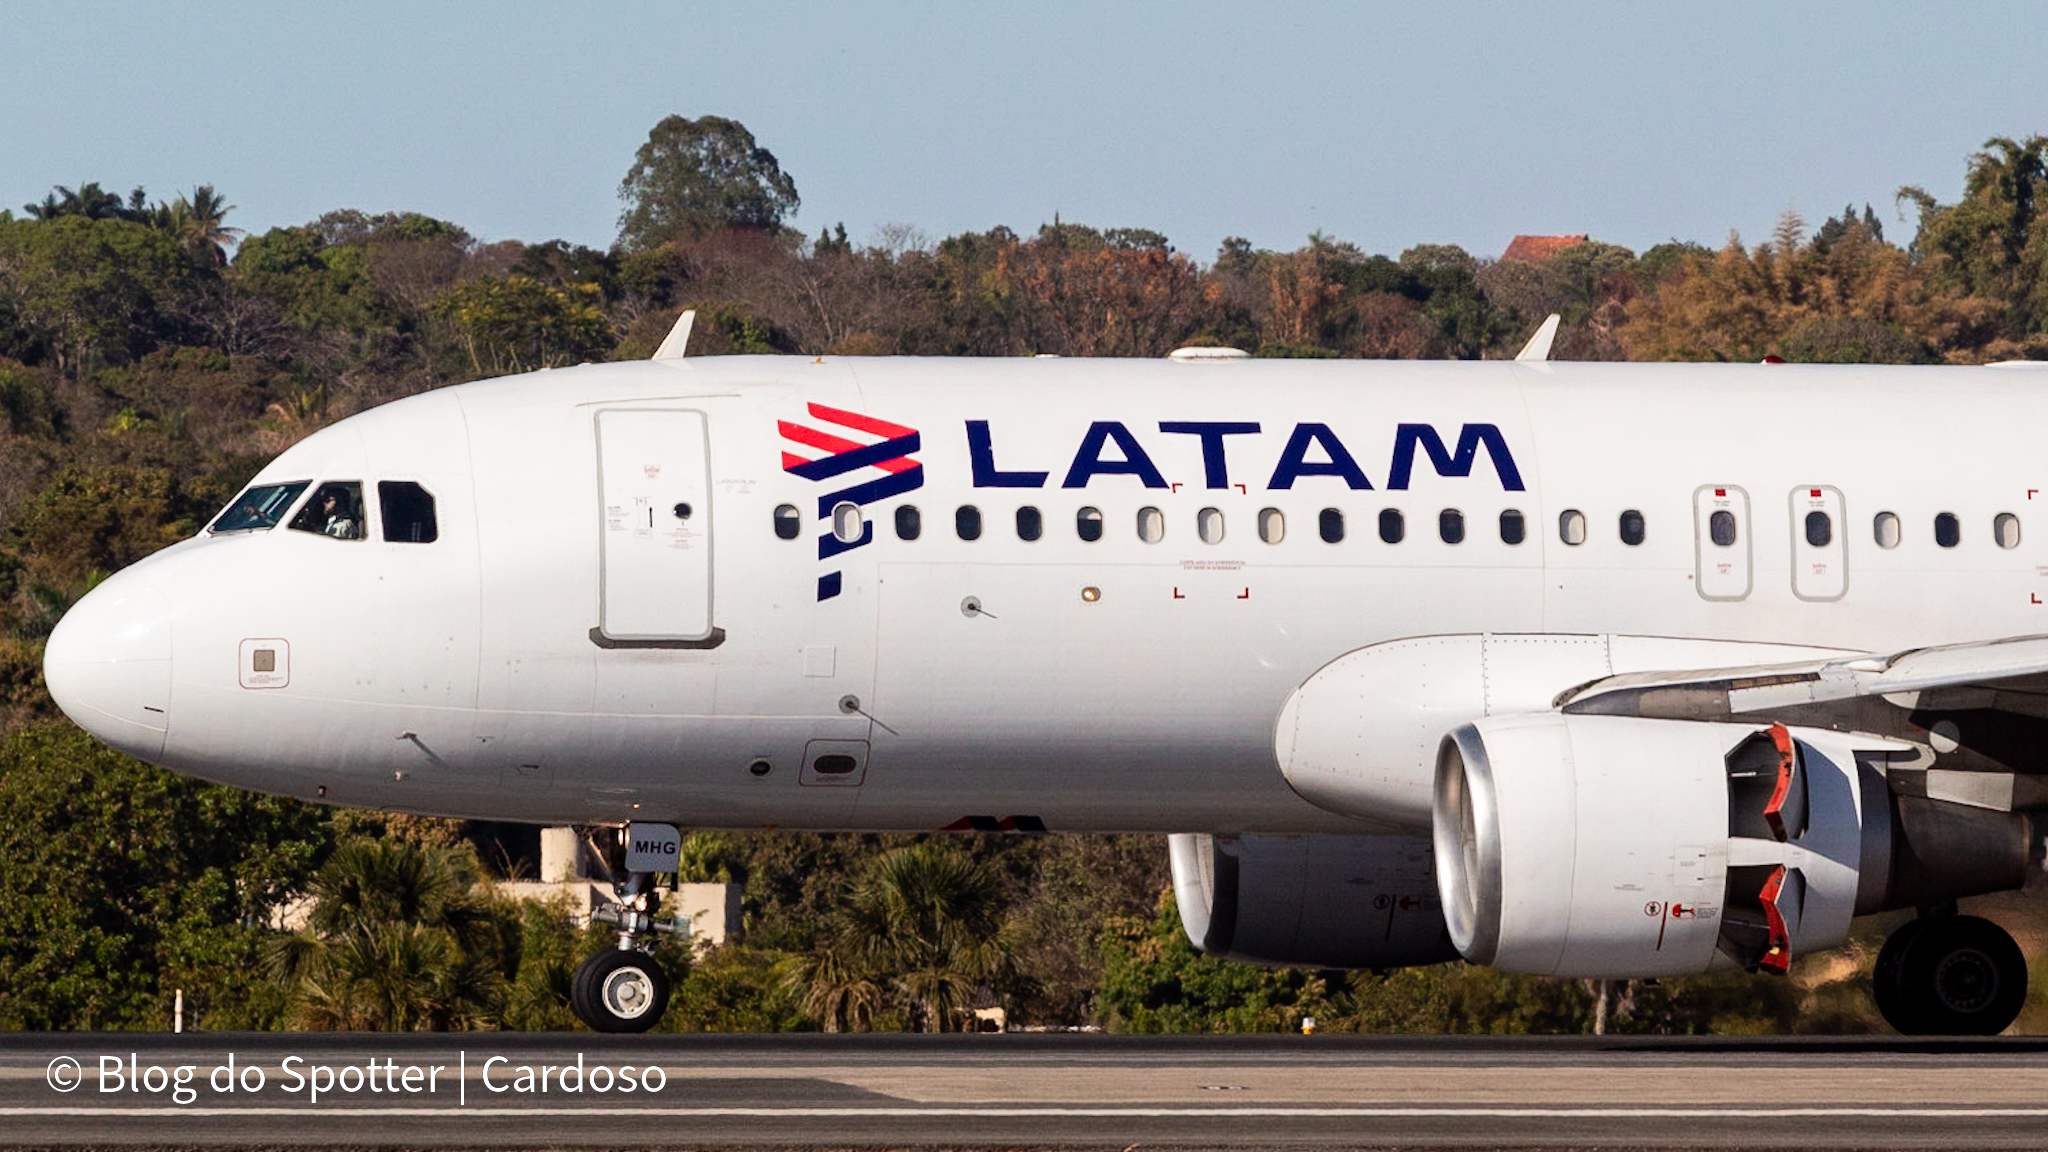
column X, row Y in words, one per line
column 408, row 511
column 1512, row 528
column 1209, row 525
column 1632, row 529
column 967, row 522
column 336, row 510
column 1571, row 526
column 1331, row 525
column 1151, row 525
column 909, row 522
column 787, row 523
column 1721, row 528
column 1030, row 524
column 1886, row 529
column 1392, row 526
column 1272, row 525
column 258, row 508
column 1948, row 531
column 1820, row 531
column 1450, row 526
column 1088, row 524
column 848, row 525
column 2006, row 530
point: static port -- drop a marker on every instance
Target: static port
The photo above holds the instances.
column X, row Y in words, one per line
column 760, row 768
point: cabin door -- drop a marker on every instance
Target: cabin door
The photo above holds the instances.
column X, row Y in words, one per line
column 655, row 551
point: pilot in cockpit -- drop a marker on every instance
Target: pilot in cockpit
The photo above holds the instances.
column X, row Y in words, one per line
column 334, row 510
column 340, row 518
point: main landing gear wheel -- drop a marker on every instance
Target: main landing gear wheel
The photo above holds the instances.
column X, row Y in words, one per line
column 1950, row 976
column 622, row 990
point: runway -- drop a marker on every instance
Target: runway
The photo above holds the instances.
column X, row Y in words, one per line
column 1016, row 1091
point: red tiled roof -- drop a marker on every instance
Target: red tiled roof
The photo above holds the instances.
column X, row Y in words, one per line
column 1537, row 249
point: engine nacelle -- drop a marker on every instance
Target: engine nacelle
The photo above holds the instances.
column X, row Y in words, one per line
column 1311, row 901
column 1608, row 846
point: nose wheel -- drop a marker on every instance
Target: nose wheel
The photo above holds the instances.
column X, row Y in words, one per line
column 1950, row 976
column 625, row 989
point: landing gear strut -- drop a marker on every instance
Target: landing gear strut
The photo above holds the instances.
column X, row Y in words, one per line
column 625, row 989
column 1950, row 975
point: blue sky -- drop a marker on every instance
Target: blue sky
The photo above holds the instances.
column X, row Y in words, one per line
column 1387, row 125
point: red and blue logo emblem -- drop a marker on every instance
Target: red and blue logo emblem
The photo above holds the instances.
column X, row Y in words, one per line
column 879, row 464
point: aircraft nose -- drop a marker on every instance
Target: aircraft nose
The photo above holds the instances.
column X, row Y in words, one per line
column 108, row 665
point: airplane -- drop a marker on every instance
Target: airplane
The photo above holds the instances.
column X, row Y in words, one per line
column 1604, row 670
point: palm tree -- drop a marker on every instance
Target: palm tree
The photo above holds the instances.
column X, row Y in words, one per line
column 90, row 201
column 837, row 991
column 924, row 927
column 402, row 937
column 199, row 224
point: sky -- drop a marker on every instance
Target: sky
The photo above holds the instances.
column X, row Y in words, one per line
column 1386, row 125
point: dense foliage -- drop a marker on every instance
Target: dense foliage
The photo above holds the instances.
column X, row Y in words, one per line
column 145, row 374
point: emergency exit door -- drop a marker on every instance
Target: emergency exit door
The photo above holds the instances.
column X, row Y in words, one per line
column 1721, row 551
column 1820, row 568
column 655, row 550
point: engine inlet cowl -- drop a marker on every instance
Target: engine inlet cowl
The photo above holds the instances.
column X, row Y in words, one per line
column 1602, row 846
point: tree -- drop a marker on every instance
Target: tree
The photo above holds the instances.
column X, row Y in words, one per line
column 1993, row 243
column 88, row 522
column 84, row 290
column 919, row 933
column 121, row 883
column 1852, row 299
column 513, row 324
column 402, row 937
column 90, row 202
column 1588, row 284
column 1153, row 980
column 199, row 224
column 699, row 176
column 1072, row 292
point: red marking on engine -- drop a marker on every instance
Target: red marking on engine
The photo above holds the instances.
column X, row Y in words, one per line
column 1777, row 957
column 1774, row 810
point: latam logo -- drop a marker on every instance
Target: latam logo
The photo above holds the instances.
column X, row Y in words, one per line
column 865, row 460
column 1109, row 448
column 882, row 462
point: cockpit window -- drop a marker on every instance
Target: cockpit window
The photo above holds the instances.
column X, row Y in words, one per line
column 408, row 512
column 336, row 510
column 260, row 507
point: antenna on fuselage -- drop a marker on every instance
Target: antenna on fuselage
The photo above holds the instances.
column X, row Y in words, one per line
column 1538, row 347
column 677, row 341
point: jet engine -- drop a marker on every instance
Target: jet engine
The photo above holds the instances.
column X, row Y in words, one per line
column 1609, row 846
column 1311, row 901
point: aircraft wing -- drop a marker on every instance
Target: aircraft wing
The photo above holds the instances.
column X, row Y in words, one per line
column 1975, row 707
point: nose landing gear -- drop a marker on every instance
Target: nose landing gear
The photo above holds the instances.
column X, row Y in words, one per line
column 1950, row 975
column 625, row 989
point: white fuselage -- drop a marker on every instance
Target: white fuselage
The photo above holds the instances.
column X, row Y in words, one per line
column 551, row 657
